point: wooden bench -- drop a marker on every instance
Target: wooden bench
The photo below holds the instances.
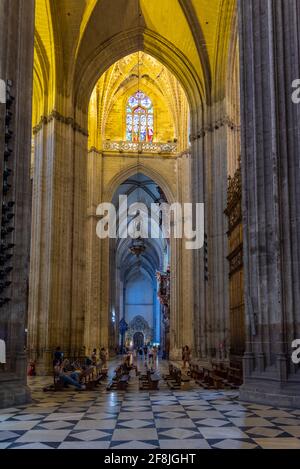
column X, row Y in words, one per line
column 196, row 371
column 123, row 382
column 174, row 377
column 87, row 378
column 154, row 381
column 169, row 376
column 120, row 379
column 217, row 376
column 206, row 381
column 58, row 384
column 90, row 377
column 234, row 377
column 99, row 374
column 149, row 381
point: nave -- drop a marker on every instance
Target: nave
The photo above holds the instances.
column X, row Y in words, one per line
column 162, row 101
column 183, row 419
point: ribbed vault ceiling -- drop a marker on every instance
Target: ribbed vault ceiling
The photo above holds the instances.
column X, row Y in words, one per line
column 71, row 32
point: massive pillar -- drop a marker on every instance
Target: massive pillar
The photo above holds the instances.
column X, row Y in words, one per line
column 198, row 191
column 270, row 56
column 94, row 312
column 209, row 169
column 16, row 64
column 57, row 268
column 181, row 294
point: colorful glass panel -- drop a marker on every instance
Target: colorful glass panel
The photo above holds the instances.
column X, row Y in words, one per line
column 139, row 118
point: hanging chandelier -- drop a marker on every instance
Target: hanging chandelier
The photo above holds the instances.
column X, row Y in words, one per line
column 137, row 246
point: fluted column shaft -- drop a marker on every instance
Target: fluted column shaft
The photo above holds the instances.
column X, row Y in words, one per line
column 269, row 40
column 16, row 64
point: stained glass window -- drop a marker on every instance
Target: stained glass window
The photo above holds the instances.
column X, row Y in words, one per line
column 139, row 118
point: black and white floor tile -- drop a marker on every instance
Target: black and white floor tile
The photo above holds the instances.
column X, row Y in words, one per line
column 191, row 419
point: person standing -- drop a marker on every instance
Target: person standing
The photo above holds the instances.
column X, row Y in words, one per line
column 94, row 357
column 58, row 356
column 103, row 357
column 150, row 355
column 154, row 350
column 186, row 356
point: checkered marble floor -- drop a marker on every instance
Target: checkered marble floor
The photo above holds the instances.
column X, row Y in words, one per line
column 185, row 419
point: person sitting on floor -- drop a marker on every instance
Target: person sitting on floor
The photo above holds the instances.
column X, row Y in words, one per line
column 68, row 378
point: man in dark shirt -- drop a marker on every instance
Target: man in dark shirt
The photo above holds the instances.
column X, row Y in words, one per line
column 58, row 356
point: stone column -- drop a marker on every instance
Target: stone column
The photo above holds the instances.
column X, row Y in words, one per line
column 270, row 59
column 200, row 286
column 93, row 254
column 57, row 291
column 181, row 299
column 209, row 171
column 79, row 244
column 216, row 200
column 16, row 64
column 184, row 269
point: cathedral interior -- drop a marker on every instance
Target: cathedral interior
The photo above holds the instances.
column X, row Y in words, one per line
column 159, row 102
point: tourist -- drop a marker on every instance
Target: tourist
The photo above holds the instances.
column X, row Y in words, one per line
column 88, row 362
column 126, row 366
column 103, row 357
column 94, row 357
column 58, row 356
column 31, row 371
column 186, row 356
column 72, row 378
column 154, row 350
column 150, row 356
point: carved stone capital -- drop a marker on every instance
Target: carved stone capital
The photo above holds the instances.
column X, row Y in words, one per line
column 216, row 125
column 55, row 115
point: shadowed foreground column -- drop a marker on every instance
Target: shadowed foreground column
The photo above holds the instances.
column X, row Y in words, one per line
column 269, row 42
column 16, row 65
